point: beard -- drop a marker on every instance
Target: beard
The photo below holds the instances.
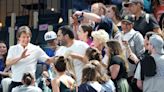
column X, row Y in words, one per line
column 62, row 43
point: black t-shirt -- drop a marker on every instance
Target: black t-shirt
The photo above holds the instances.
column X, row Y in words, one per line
column 118, row 60
column 144, row 25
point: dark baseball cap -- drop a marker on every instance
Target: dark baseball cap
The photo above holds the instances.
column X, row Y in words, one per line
column 128, row 18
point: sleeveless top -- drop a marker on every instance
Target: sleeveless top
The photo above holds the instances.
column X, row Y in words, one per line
column 64, row 88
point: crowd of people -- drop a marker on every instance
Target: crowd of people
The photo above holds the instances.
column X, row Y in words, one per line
column 101, row 50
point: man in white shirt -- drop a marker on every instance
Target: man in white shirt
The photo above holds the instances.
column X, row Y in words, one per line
column 23, row 57
column 66, row 38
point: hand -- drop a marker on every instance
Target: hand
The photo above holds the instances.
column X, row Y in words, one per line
column 45, row 74
column 133, row 57
column 78, row 13
column 125, row 43
column 24, row 55
column 74, row 20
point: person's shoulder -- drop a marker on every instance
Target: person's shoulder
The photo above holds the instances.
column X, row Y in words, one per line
column 15, row 46
column 85, row 87
column 137, row 34
column 33, row 89
column 32, row 45
column 78, row 42
column 36, row 89
column 16, row 89
column 105, row 19
column 116, row 59
column 70, row 79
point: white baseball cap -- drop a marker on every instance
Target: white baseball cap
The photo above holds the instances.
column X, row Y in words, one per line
column 50, row 35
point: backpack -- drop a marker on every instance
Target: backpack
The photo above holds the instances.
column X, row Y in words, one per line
column 148, row 66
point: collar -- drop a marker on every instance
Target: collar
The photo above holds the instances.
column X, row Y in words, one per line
column 127, row 36
column 25, row 47
column 141, row 16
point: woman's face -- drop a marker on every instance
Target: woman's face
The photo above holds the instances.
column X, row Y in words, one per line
column 81, row 34
column 3, row 49
column 110, row 12
column 96, row 42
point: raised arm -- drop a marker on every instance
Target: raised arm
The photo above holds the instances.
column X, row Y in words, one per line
column 91, row 16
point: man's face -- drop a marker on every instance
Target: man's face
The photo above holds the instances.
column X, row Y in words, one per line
column 126, row 26
column 61, row 38
column 133, row 7
column 24, row 39
column 53, row 43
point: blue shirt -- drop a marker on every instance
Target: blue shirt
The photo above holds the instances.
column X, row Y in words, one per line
column 50, row 52
column 2, row 65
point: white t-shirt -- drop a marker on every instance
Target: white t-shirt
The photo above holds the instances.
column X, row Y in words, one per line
column 60, row 51
column 27, row 64
column 78, row 47
column 24, row 88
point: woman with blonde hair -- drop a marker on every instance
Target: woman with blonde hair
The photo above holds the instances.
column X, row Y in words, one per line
column 117, row 66
column 89, row 80
column 102, row 77
column 100, row 37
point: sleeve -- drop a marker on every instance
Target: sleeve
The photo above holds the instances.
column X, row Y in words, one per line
column 82, row 88
column 139, row 45
column 10, row 53
column 42, row 55
column 115, row 60
column 86, row 88
column 137, row 74
column 83, row 47
column 106, row 24
column 153, row 22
